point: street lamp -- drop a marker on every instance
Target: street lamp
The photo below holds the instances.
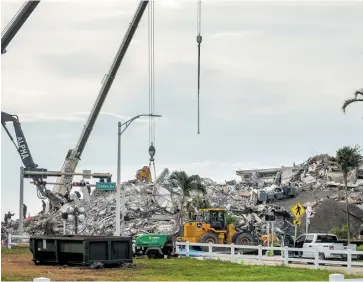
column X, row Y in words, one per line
column 118, row 192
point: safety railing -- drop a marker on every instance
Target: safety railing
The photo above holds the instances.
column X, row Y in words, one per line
column 11, row 243
column 263, row 254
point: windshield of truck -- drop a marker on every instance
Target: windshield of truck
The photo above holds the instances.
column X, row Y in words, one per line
column 326, row 239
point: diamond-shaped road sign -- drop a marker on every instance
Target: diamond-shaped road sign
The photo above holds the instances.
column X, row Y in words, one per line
column 297, row 221
column 297, row 210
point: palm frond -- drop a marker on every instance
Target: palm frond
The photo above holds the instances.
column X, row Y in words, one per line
column 198, row 187
column 348, row 102
column 358, row 92
column 179, row 176
column 194, row 178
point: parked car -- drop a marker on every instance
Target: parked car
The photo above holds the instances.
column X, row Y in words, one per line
column 324, row 243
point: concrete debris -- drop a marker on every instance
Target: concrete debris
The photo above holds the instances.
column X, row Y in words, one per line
column 96, row 265
column 153, row 208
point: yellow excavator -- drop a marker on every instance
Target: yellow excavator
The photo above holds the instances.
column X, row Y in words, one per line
column 144, row 174
column 211, row 227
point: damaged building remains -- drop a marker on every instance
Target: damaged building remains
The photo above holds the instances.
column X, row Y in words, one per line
column 153, row 208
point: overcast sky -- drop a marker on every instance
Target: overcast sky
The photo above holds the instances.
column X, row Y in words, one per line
column 273, row 79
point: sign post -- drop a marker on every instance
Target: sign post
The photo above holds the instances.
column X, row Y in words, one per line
column 298, row 211
column 308, row 215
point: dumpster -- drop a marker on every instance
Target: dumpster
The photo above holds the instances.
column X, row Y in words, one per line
column 81, row 250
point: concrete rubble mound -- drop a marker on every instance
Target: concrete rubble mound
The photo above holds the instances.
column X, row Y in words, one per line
column 153, row 208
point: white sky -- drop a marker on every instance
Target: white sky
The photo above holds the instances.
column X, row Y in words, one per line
column 273, row 79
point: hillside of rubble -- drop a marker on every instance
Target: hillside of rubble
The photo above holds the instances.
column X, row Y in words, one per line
column 154, row 208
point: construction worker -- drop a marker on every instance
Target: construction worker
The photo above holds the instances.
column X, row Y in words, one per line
column 77, row 194
column 25, row 209
column 43, row 206
column 8, row 217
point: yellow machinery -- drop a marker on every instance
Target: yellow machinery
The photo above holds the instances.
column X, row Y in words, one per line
column 144, row 174
column 268, row 238
column 211, row 227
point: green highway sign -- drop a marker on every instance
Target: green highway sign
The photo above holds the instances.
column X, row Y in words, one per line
column 104, row 186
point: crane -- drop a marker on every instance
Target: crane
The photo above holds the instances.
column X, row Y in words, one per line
column 64, row 183
column 16, row 23
column 22, row 146
column 27, row 159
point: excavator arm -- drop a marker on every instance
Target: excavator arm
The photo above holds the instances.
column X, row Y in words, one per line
column 22, row 147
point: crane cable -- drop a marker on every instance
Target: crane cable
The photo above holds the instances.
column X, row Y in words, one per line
column 199, row 41
column 151, row 33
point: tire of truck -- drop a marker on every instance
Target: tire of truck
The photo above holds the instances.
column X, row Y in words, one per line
column 321, row 257
column 153, row 254
column 245, row 239
column 208, row 238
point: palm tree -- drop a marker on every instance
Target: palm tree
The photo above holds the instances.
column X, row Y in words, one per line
column 196, row 203
column 348, row 158
column 187, row 185
column 353, row 100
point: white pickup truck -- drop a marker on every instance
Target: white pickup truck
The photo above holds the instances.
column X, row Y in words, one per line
column 324, row 243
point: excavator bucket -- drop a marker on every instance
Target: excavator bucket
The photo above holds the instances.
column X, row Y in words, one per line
column 144, row 174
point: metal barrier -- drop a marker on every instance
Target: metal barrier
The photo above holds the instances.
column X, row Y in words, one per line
column 284, row 258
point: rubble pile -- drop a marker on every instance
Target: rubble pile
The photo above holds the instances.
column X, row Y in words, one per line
column 144, row 213
column 155, row 208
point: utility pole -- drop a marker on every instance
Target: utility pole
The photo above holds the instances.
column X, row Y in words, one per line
column 21, row 201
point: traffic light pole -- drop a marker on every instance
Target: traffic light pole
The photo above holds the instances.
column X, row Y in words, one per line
column 60, row 173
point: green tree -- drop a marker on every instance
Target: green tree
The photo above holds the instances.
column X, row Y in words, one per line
column 341, row 232
column 231, row 219
column 348, row 158
column 187, row 185
column 353, row 100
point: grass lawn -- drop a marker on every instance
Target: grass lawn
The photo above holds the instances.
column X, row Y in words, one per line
column 17, row 265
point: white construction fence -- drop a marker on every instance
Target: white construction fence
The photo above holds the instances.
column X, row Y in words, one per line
column 235, row 253
column 13, row 241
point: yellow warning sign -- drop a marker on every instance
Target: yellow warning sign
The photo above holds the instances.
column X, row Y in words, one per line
column 297, row 210
column 297, row 221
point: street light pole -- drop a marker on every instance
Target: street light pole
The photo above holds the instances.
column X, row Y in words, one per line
column 118, row 192
column 119, row 230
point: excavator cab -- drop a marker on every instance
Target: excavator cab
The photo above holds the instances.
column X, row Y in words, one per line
column 217, row 218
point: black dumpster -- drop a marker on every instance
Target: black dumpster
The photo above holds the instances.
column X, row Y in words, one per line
column 81, row 250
